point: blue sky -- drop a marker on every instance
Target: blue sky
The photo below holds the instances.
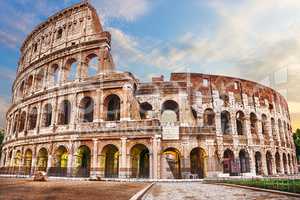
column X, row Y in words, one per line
column 257, row 40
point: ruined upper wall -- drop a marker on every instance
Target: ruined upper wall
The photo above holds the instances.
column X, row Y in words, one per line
column 72, row 26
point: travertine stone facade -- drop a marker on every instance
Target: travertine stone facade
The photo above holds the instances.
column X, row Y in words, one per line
column 74, row 115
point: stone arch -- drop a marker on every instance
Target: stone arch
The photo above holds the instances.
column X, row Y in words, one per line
column 86, row 106
column 244, row 161
column 47, row 115
column 16, row 122
column 198, row 161
column 228, row 161
column 64, row 114
column 22, row 121
column 112, row 105
column 264, row 125
column 39, row 79
column 253, row 123
column 171, row 163
column 42, row 159
column 269, row 159
column 92, row 61
column 110, row 161
column 277, row 162
column 18, row 159
column 258, row 163
column 145, row 108
column 9, row 159
column 209, row 117
column 29, row 84
column 280, row 128
column 240, row 123
column 70, row 69
column 169, row 109
column 82, row 162
column 28, row 161
column 54, row 74
column 21, row 89
column 289, row 163
column 225, row 122
column 140, row 161
column 32, row 118
column 60, row 162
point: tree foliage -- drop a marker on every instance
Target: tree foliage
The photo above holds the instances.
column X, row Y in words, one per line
column 296, row 137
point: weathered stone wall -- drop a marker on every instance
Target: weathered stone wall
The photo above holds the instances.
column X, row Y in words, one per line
column 67, row 99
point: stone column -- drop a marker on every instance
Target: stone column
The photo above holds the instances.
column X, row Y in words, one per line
column 33, row 161
column 252, row 162
column 155, row 151
column 123, row 165
column 39, row 117
column 49, row 162
column 94, row 158
column 264, row 164
column 273, row 164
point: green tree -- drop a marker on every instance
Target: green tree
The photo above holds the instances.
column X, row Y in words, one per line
column 296, row 137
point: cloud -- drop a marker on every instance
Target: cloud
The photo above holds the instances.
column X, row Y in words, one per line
column 128, row 10
column 4, row 105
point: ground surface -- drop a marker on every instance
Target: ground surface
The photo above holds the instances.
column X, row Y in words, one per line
column 199, row 191
column 21, row 189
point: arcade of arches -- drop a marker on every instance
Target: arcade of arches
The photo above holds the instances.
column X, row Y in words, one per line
column 138, row 161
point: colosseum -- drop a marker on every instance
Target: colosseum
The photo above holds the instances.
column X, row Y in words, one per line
column 74, row 115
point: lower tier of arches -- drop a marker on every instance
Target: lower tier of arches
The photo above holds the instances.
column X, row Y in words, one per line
column 145, row 158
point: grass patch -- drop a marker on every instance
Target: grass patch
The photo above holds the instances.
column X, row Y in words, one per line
column 286, row 185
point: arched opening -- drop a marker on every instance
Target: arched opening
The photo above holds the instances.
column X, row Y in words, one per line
column 21, row 90
column 53, row 74
column 253, row 123
column 139, row 155
column 28, row 161
column 198, row 162
column 171, row 163
column 87, row 109
column 225, row 122
column 281, row 134
column 39, row 78
column 33, row 118
column 225, row 99
column 60, row 162
column 18, row 159
column 289, row 162
column 209, row 117
column 284, row 160
column 277, row 162
column 15, row 125
column 83, row 161
column 144, row 110
column 269, row 159
column 42, row 160
column 29, row 84
column 110, row 161
column 93, row 65
column 170, row 109
column 9, row 158
column 70, row 70
column 64, row 114
column 244, row 161
column 59, row 34
column 113, row 105
column 47, row 115
column 264, row 127
column 258, row 163
column 228, row 161
column 22, row 121
column 240, row 123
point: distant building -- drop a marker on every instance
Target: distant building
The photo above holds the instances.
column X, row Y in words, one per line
column 74, row 115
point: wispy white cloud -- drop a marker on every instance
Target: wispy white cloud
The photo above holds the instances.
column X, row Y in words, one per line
column 4, row 105
column 128, row 10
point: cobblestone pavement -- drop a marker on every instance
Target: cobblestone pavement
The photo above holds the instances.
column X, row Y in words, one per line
column 24, row 189
column 199, row 191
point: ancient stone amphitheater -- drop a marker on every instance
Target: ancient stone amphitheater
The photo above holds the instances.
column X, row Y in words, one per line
column 74, row 115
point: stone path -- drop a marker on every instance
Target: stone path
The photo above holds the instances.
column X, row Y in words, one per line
column 200, row 191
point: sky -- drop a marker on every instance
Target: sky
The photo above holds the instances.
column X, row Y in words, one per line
column 256, row 39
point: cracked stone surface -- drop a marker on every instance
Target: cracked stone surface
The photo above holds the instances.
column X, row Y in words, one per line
column 199, row 191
